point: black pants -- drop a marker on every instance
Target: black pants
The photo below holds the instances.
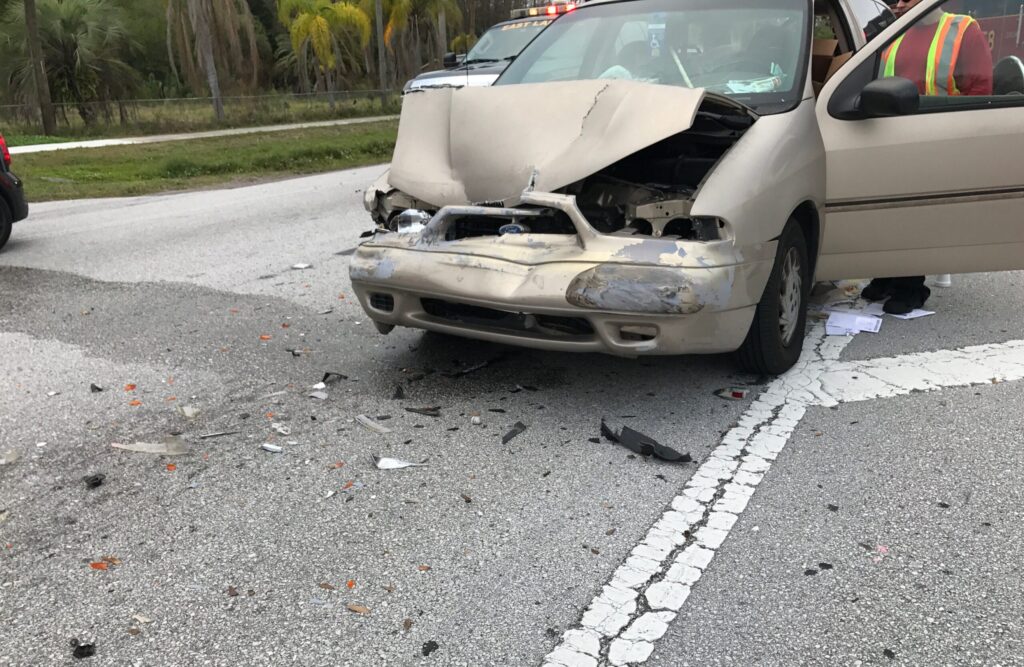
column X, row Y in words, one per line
column 903, row 286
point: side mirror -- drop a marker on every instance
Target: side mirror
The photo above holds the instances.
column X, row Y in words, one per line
column 891, row 96
column 450, row 60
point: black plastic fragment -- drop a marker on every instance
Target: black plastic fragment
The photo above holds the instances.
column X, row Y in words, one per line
column 368, row 233
column 430, row 647
column 825, row 566
column 330, row 377
column 426, row 412
column 94, row 481
column 810, row 572
column 832, row 507
column 595, row 440
column 95, row 388
column 643, row 444
column 889, row 653
column 81, row 650
column 517, row 428
column 399, row 394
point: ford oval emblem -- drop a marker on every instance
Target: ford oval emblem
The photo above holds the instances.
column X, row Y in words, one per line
column 513, row 228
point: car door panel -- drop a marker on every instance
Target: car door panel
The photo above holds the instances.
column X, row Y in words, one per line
column 933, row 192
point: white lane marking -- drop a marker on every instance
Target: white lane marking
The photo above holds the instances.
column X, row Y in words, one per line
column 635, row 608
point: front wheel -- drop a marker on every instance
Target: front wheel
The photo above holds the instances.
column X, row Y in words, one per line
column 6, row 223
column 776, row 335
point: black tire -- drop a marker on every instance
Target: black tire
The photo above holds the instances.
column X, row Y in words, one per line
column 766, row 350
column 6, row 223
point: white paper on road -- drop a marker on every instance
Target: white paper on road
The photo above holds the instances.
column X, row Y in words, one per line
column 914, row 314
column 847, row 324
column 874, row 308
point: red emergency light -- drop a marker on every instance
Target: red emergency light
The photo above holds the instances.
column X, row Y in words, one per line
column 3, row 151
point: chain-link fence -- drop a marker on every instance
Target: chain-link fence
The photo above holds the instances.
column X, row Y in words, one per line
column 194, row 113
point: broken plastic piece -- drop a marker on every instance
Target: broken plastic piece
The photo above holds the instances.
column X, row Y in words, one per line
column 94, row 481
column 384, row 463
column 273, row 449
column 300, row 267
column 476, row 420
column 319, row 395
column 218, row 434
column 732, row 393
column 281, row 428
column 330, row 377
column 427, row 412
column 172, row 446
column 643, row 444
column 517, row 428
column 81, row 650
column 188, row 411
column 95, row 388
column 371, row 425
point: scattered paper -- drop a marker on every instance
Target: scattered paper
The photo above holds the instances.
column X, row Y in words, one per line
column 914, row 314
column 848, row 324
column 384, row 463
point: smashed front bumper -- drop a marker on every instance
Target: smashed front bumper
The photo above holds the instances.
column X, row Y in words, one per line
column 581, row 292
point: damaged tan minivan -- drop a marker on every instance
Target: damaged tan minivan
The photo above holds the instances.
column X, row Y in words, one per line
column 670, row 177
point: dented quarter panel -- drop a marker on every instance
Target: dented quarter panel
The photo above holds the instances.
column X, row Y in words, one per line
column 778, row 164
column 458, row 146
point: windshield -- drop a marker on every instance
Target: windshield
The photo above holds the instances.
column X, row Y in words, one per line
column 754, row 51
column 505, row 41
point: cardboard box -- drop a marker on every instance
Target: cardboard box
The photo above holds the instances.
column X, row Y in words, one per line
column 822, row 52
column 837, row 62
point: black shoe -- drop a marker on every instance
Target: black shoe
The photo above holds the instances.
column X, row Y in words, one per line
column 878, row 290
column 901, row 304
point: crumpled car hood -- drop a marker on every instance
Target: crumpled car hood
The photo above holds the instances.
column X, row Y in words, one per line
column 472, row 145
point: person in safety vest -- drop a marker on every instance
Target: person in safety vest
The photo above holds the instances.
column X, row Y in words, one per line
column 944, row 54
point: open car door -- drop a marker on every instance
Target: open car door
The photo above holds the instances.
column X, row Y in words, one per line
column 925, row 171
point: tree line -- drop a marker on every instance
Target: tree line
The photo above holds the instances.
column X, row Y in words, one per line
column 95, row 56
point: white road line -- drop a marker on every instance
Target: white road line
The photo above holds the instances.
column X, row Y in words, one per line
column 634, row 609
column 160, row 138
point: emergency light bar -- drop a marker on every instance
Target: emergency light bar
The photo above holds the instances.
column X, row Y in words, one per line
column 552, row 9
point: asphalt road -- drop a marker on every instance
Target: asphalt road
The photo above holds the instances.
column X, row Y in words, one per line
column 490, row 553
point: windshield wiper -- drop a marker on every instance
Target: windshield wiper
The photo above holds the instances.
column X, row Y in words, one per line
column 474, row 61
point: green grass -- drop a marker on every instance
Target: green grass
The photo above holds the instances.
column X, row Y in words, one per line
column 197, row 163
column 176, row 116
column 16, row 139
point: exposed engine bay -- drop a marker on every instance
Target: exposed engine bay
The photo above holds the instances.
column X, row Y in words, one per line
column 649, row 193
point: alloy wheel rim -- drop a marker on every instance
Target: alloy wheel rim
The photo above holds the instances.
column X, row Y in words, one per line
column 789, row 292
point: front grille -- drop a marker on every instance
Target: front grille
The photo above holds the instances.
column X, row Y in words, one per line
column 471, row 226
column 382, row 302
column 549, row 326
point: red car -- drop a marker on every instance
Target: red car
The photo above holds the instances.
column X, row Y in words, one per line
column 13, row 206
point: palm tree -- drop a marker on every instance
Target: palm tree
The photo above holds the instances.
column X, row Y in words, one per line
column 207, row 36
column 35, row 54
column 333, row 36
column 84, row 44
column 422, row 26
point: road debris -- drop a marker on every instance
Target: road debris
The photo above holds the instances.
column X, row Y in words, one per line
column 732, row 393
column 384, row 463
column 51, row 394
column 468, row 499
column 474, row 368
column 371, row 425
column 81, row 650
column 189, row 411
column 913, row 315
column 272, row 448
column 301, row 267
column 517, row 429
column 407, row 625
column 280, row 428
column 142, row 619
column 643, row 444
column 330, row 377
column 476, row 420
column 318, row 395
column 95, row 388
column 94, row 481
column 849, row 324
column 326, row 586
column 218, row 434
column 426, row 412
column 430, row 647
column 357, row 608
column 399, row 394
column 171, row 446
column 9, row 457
